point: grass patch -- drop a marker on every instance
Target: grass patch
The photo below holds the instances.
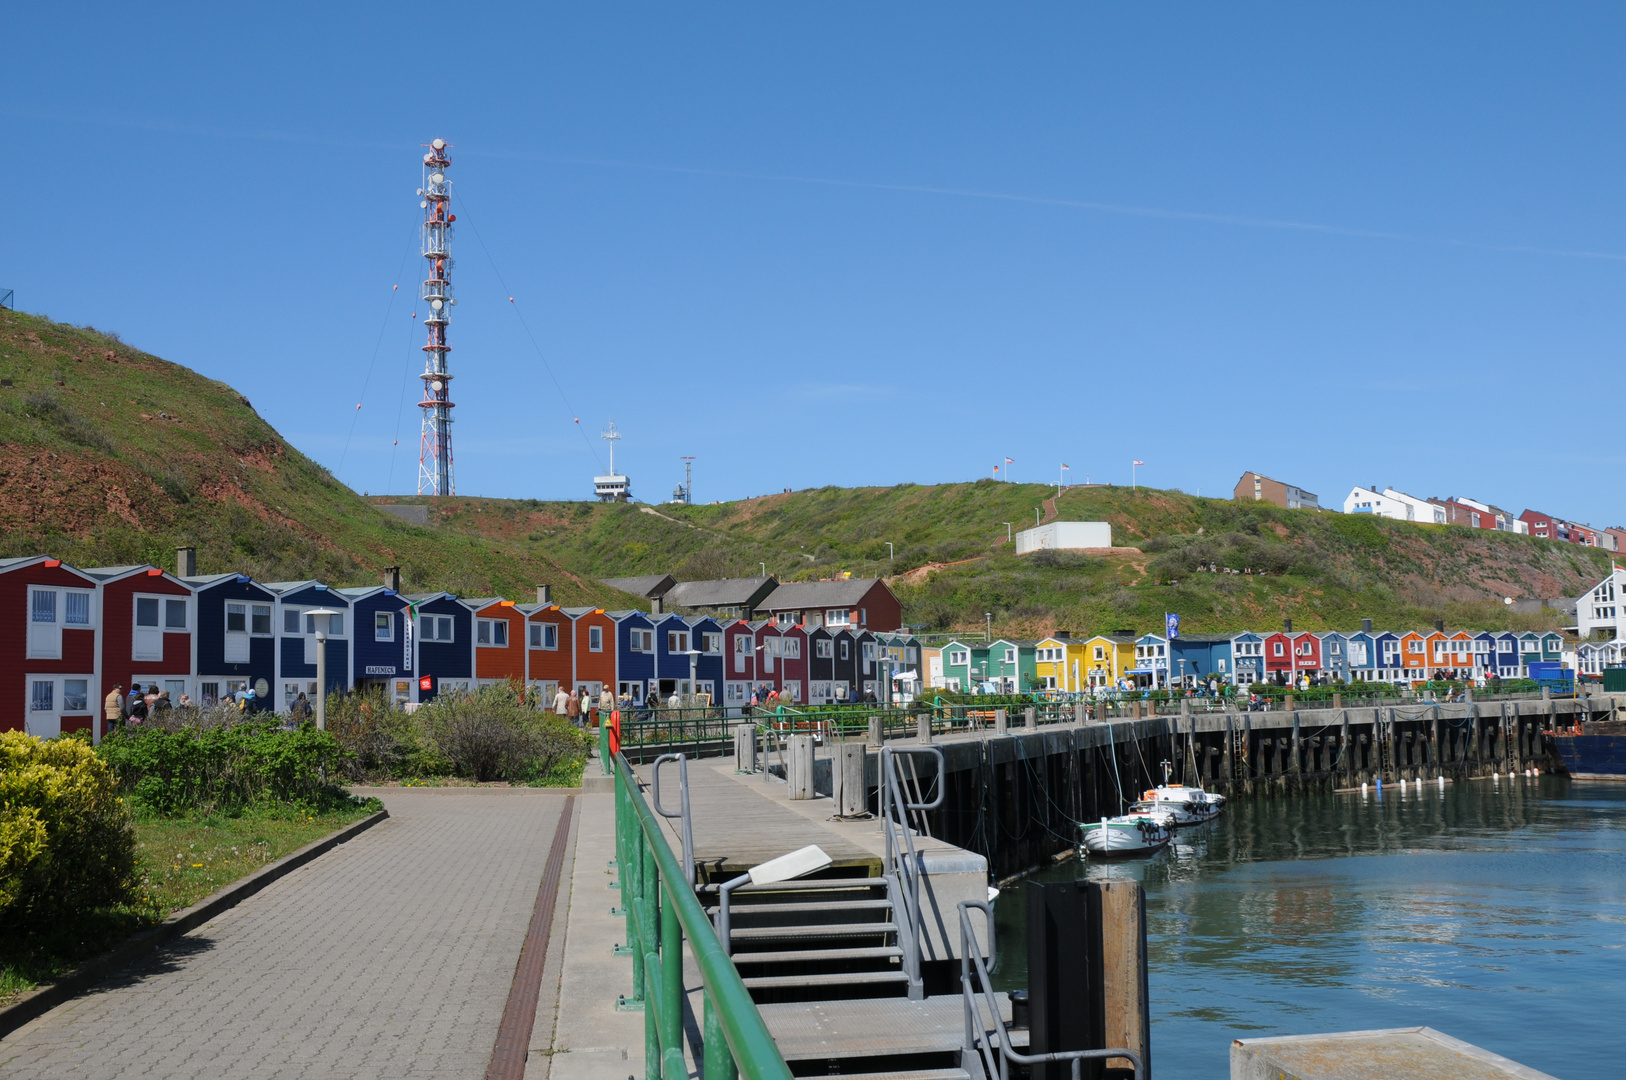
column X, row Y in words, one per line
column 180, row 861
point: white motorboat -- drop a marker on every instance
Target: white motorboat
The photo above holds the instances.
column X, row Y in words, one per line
column 1131, row 834
column 1184, row 807
column 1168, row 792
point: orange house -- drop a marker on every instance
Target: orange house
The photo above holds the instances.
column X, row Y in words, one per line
column 499, row 641
column 1413, row 656
column 594, row 652
column 550, row 646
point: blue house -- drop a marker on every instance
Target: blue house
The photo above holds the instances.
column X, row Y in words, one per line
column 1334, row 655
column 634, row 654
column 1386, row 647
column 444, row 639
column 236, row 648
column 1362, row 656
column 674, row 669
column 706, row 672
column 1507, row 663
column 382, row 632
column 297, row 644
column 1151, row 668
column 1194, row 657
column 1247, row 659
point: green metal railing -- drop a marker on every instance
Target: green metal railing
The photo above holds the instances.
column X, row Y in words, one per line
column 662, row 912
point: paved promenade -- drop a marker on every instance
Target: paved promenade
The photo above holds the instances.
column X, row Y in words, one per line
column 389, row 957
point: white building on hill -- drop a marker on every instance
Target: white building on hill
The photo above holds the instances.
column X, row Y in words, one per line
column 1393, row 504
column 1064, row 536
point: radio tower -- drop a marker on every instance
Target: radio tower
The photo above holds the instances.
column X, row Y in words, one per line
column 435, row 445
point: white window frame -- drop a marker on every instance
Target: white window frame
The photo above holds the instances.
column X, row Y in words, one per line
column 712, row 644
column 824, row 649
column 384, row 621
column 434, row 623
column 595, row 639
column 487, row 631
column 677, row 641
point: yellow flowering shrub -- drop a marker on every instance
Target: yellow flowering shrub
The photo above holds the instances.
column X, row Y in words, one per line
column 66, row 841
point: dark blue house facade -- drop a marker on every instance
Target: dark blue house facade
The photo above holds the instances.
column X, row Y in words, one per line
column 634, row 654
column 444, row 637
column 236, row 642
column 381, row 638
column 297, row 645
column 706, row 635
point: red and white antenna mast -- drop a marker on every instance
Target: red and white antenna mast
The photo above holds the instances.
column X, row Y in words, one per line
column 435, row 444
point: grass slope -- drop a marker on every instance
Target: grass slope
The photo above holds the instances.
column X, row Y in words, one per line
column 109, row 456
column 953, row 563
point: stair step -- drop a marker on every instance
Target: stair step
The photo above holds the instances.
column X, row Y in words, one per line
column 750, row 933
column 854, row 978
column 809, row 907
column 910, row 1074
column 877, row 952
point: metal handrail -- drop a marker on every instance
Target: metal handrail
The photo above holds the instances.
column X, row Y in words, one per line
column 902, row 863
column 660, row 915
column 685, row 826
column 976, row 1033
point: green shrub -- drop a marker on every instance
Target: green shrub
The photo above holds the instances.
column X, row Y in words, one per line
column 226, row 769
column 66, row 843
column 379, row 740
column 492, row 734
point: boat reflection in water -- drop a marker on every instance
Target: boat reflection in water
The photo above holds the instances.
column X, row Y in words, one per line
column 1492, row 910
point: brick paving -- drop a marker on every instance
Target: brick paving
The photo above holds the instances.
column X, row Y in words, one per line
column 388, row 957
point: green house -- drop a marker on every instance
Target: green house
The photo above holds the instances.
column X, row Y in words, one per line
column 1011, row 666
column 961, row 660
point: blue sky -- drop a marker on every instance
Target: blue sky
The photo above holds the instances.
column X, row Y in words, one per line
column 861, row 245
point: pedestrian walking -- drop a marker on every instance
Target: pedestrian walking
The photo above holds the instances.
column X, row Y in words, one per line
column 573, row 708
column 113, row 707
column 561, row 702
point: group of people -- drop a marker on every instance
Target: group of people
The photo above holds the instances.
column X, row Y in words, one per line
column 139, row 705
column 577, row 705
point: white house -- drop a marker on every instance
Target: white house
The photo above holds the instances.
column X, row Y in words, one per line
column 1393, row 504
column 1603, row 607
column 1064, row 536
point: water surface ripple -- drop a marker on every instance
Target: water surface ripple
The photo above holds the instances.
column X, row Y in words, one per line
column 1495, row 912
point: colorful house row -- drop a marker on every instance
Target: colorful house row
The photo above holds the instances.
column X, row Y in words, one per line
column 1125, row 661
column 69, row 636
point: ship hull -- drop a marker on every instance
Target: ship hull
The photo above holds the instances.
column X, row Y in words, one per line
column 1597, row 753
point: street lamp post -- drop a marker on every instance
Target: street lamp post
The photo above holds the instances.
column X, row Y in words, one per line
column 889, row 555
column 989, row 617
column 315, row 614
column 1007, row 531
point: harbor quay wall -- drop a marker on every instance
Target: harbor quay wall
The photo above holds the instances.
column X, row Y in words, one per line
column 1018, row 796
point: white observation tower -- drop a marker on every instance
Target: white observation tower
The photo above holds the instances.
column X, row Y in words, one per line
column 435, row 444
column 614, row 487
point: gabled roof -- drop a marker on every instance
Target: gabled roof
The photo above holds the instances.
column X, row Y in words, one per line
column 281, row 587
column 797, row 595
column 107, row 573
column 426, row 597
column 203, row 581
column 724, row 592
column 578, row 612
column 1119, row 639
column 649, row 586
column 1202, row 639
column 7, row 565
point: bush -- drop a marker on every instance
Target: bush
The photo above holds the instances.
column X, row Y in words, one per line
column 493, row 735
column 66, row 843
column 380, row 740
column 226, row 769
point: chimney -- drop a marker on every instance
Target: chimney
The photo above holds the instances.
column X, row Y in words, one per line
column 1439, row 624
column 186, row 562
column 392, row 578
column 1366, row 626
column 544, row 594
column 655, row 606
column 1287, row 626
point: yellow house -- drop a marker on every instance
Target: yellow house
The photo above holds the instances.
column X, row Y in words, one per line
column 1106, row 658
column 1059, row 662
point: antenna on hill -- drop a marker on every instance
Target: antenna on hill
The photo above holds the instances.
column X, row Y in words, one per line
column 685, row 492
column 614, row 487
column 435, row 443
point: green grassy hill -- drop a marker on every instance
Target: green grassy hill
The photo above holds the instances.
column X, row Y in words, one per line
column 109, row 455
column 952, row 563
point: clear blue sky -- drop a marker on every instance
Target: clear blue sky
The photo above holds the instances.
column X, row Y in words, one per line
column 861, row 246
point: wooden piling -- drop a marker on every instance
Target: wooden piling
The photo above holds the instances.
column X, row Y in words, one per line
column 1124, row 989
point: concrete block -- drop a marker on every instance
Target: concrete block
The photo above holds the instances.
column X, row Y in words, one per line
column 1371, row 1055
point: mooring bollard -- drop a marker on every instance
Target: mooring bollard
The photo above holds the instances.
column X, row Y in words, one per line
column 1081, row 714
column 999, row 721
column 1030, row 718
column 1337, row 700
column 877, row 737
column 799, row 768
column 924, row 728
column 1287, row 703
column 745, row 748
column 847, row 780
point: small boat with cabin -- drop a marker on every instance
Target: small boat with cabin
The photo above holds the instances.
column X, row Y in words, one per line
column 1130, row 834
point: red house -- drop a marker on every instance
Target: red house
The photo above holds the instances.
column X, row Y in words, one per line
column 1278, row 657
column 147, row 625
column 793, row 664
column 853, row 604
column 769, row 669
column 49, row 669
column 1306, row 653
column 740, row 663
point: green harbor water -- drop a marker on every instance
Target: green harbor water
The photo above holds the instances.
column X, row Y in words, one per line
column 1494, row 912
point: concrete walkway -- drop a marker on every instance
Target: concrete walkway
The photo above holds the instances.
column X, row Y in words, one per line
column 389, row 957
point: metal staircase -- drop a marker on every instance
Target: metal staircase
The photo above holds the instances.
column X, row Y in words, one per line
column 815, row 940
